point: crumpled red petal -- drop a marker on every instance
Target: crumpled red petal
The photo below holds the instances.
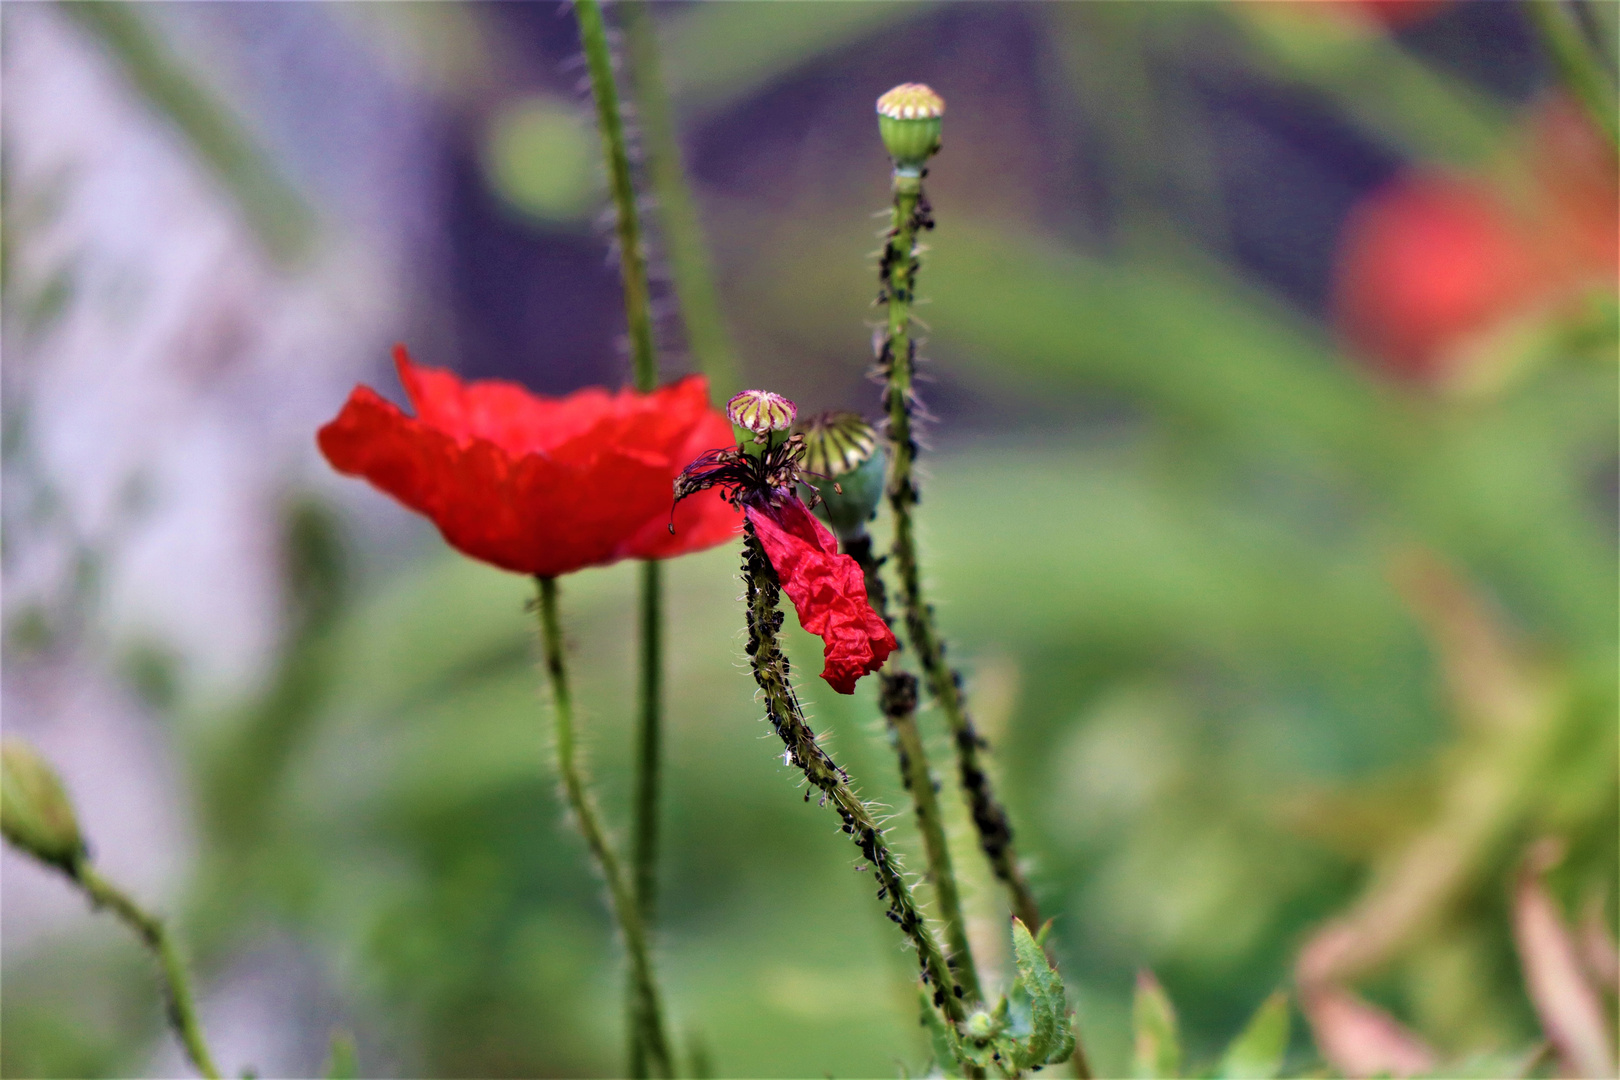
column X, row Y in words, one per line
column 537, row 485
column 827, row 589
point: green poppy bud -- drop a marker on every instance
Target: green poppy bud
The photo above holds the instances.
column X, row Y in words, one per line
column 909, row 119
column 845, row 464
column 35, row 813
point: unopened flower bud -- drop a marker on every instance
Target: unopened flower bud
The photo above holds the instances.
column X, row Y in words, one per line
column 845, row 464
column 909, row 119
column 979, row 1026
column 35, row 813
column 761, row 412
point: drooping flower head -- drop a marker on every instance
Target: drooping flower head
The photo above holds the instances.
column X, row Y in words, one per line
column 827, row 588
column 537, row 485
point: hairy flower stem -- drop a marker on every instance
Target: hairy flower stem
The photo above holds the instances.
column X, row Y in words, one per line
column 648, row 1013
column 178, row 1007
column 644, row 370
column 897, row 697
column 771, row 672
column 896, row 362
column 690, row 270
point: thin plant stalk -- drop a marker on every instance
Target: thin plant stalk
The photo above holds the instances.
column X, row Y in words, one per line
column 690, row 269
column 644, row 373
column 898, row 700
column 1572, row 56
column 897, row 361
column 632, row 255
column 771, row 672
column 649, row 1010
column 178, row 1002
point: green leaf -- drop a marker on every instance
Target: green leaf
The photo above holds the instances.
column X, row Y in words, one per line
column 344, row 1064
column 1257, row 1052
column 1051, row 1037
column 1158, row 1046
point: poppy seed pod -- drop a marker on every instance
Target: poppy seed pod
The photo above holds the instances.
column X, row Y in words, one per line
column 845, row 464
column 761, row 412
column 909, row 119
column 35, row 813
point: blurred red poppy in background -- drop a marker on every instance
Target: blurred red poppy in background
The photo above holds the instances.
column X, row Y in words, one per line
column 540, row 486
column 1433, row 261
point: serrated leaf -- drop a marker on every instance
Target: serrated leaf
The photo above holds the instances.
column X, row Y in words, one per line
column 1049, row 1006
column 1158, row 1045
column 947, row 1053
column 1257, row 1052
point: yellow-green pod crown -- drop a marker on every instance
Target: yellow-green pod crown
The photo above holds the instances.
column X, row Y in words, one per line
column 761, row 412
column 910, row 118
column 35, row 813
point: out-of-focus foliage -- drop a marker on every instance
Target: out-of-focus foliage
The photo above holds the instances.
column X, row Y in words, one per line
column 1271, row 645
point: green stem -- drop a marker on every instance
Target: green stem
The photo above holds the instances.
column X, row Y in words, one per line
column 771, row 672
column 1572, row 56
column 632, row 258
column 648, row 1011
column 898, row 698
column 644, row 369
column 182, row 1014
column 691, row 271
column 648, row 740
column 897, row 361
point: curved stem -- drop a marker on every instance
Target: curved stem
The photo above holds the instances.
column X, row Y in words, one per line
column 771, row 672
column 690, row 269
column 181, row 1012
column 897, row 360
column 649, row 1010
column 1572, row 56
column 898, row 699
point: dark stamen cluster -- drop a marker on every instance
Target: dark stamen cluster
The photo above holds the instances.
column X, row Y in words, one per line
column 746, row 477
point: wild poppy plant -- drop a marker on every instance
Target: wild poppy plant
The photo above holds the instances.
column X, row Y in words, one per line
column 827, row 588
column 536, row 485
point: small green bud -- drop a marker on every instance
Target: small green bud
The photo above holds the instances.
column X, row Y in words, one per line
column 979, row 1026
column 909, row 119
column 761, row 412
column 35, row 813
column 845, row 465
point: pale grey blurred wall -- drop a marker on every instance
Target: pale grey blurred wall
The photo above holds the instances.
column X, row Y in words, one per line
column 163, row 375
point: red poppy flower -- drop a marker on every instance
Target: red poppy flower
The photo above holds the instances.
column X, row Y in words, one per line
column 827, row 589
column 535, row 485
column 1427, row 262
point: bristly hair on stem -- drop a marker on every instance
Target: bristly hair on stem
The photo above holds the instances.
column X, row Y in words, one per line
column 644, row 368
column 896, row 366
column 646, row 1016
column 772, row 672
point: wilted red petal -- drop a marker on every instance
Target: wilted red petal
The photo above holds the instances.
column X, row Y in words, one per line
column 827, row 589
column 536, row 485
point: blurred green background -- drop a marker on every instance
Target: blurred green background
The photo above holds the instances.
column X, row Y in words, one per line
column 1184, row 540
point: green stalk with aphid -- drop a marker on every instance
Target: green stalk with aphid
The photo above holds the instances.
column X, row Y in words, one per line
column 845, row 464
column 785, row 549
column 909, row 119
